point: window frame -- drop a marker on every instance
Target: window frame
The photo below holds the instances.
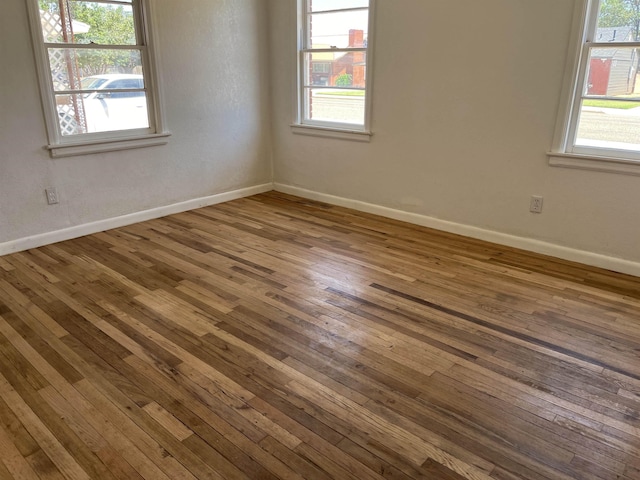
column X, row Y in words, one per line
column 564, row 151
column 323, row 128
column 60, row 145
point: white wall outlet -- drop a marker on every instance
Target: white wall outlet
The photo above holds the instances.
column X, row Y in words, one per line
column 535, row 206
column 52, row 195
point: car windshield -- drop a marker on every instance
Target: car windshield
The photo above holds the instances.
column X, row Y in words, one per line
column 92, row 82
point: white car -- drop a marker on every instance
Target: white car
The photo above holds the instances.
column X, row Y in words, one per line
column 112, row 107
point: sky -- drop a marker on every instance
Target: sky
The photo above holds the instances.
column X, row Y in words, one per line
column 333, row 28
column 319, row 5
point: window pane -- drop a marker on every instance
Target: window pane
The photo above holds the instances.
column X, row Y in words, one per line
column 335, row 105
column 70, row 114
column 85, row 22
column 102, row 112
column 340, row 30
column 323, row 5
column 618, row 21
column 69, row 65
column 615, row 34
column 613, row 71
column 336, row 69
column 333, row 81
column 613, row 121
column 609, row 124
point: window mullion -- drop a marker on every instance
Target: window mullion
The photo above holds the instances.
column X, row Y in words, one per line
column 334, row 50
column 594, row 45
column 93, row 90
column 92, row 46
column 361, row 89
column 113, row 2
column 591, row 24
column 340, row 10
column 581, row 88
column 588, row 35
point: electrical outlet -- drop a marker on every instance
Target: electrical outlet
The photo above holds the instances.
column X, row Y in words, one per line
column 536, row 204
column 52, row 196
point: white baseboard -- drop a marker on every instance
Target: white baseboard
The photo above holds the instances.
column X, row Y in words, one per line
column 537, row 246
column 581, row 256
column 124, row 220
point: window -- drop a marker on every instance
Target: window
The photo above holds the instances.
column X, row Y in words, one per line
column 97, row 80
column 602, row 120
column 334, row 54
column 321, row 67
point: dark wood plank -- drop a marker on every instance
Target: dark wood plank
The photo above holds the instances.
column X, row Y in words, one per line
column 277, row 337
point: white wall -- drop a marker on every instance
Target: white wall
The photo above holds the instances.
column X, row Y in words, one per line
column 213, row 58
column 465, row 97
column 464, row 108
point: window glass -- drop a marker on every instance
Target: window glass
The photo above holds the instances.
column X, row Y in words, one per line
column 324, row 5
column 609, row 112
column 94, row 48
column 344, row 69
column 97, row 76
column 71, row 66
column 334, row 63
column 78, row 21
column 92, row 82
column 608, row 101
column 340, row 105
column 339, row 29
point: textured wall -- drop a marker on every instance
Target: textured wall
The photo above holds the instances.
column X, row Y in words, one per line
column 461, row 130
column 465, row 97
column 213, row 68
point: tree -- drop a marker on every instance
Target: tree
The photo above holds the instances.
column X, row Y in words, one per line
column 344, row 80
column 621, row 13
column 109, row 25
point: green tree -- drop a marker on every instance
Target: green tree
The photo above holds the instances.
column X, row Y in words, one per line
column 344, row 80
column 620, row 13
column 109, row 25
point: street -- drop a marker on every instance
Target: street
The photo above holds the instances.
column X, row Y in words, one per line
column 610, row 125
column 596, row 124
column 338, row 108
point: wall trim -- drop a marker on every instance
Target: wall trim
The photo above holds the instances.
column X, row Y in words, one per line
column 537, row 246
column 124, row 220
column 581, row 256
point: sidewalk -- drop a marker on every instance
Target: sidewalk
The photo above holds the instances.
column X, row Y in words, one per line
column 631, row 112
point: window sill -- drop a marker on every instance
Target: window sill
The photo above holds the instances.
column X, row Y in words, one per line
column 109, row 145
column 594, row 163
column 339, row 133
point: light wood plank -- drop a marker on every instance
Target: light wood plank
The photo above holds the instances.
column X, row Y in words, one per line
column 276, row 337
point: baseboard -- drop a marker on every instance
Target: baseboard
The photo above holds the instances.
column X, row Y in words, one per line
column 124, row 220
column 537, row 246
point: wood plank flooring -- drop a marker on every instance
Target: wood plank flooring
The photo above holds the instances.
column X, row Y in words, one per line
column 275, row 337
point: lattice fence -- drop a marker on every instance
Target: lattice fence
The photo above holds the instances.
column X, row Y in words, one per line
column 64, row 72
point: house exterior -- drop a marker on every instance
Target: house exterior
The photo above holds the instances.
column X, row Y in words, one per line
column 612, row 71
column 328, row 67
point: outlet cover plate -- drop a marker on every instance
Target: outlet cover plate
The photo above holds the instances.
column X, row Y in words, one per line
column 535, row 206
column 52, row 196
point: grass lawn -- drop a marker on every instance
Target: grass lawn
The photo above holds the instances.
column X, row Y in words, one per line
column 611, row 104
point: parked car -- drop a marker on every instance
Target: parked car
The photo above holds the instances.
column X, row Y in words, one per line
column 107, row 110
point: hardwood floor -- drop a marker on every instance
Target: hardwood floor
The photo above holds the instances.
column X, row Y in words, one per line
column 274, row 337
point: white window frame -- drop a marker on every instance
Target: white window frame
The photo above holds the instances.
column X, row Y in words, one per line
column 346, row 131
column 69, row 145
column 564, row 152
